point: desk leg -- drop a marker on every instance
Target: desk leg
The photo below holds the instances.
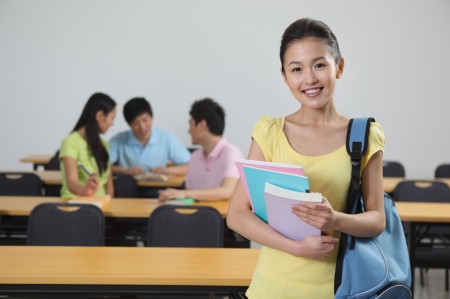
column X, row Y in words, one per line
column 412, row 252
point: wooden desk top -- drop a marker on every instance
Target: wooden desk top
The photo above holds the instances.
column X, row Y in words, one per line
column 390, row 183
column 53, row 177
column 119, row 207
column 36, row 159
column 127, row 265
column 424, row 211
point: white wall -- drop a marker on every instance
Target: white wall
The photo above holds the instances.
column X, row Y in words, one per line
column 55, row 54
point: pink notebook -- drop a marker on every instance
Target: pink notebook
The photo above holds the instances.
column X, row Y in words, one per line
column 280, row 167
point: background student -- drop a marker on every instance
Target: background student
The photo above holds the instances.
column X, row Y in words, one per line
column 84, row 158
column 145, row 148
column 314, row 137
column 212, row 173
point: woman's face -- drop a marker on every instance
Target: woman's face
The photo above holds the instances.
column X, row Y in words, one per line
column 105, row 121
column 311, row 72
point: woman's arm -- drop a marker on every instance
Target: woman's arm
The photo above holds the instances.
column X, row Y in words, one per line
column 367, row 224
column 241, row 219
column 110, row 186
column 74, row 186
column 373, row 220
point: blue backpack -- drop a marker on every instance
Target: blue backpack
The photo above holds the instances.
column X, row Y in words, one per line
column 376, row 267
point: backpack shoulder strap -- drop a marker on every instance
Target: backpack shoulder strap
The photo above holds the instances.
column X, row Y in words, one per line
column 358, row 135
column 357, row 144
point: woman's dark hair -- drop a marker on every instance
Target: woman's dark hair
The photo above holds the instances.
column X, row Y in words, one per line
column 135, row 107
column 304, row 28
column 208, row 110
column 97, row 102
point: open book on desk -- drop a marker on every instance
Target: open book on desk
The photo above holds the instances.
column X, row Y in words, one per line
column 100, row 201
column 279, row 203
column 256, row 178
column 281, row 167
column 150, row 176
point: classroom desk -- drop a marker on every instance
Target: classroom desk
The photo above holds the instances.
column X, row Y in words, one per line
column 37, row 160
column 421, row 212
column 86, row 271
column 390, row 183
column 126, row 219
column 53, row 177
column 118, row 208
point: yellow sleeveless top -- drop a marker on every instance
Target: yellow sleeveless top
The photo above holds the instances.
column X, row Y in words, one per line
column 279, row 274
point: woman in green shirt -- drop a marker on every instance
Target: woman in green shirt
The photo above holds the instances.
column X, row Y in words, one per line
column 84, row 155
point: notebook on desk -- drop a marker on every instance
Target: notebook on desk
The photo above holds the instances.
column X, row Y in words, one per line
column 150, row 176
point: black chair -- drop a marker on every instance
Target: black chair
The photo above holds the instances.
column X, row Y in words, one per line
column 442, row 171
column 185, row 226
column 125, row 186
column 20, row 184
column 53, row 164
column 432, row 240
column 62, row 224
column 14, row 228
column 393, row 169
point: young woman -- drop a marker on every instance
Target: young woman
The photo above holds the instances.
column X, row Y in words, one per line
column 314, row 137
column 84, row 156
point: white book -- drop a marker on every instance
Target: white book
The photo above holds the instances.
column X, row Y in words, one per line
column 280, row 217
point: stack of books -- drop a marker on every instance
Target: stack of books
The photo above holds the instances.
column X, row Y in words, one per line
column 272, row 189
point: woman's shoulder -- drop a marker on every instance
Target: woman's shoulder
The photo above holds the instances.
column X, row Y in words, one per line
column 376, row 128
column 73, row 137
column 376, row 134
column 268, row 123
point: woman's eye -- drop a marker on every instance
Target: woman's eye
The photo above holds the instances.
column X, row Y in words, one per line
column 319, row 65
column 297, row 69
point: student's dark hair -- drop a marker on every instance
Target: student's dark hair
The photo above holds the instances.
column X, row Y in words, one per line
column 135, row 107
column 97, row 102
column 304, row 28
column 210, row 111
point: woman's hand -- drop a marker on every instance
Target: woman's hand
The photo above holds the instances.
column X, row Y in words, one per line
column 91, row 185
column 315, row 247
column 321, row 216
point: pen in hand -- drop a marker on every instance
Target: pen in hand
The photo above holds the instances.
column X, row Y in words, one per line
column 84, row 168
column 92, row 184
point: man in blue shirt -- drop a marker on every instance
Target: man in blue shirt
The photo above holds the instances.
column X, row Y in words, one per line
column 145, row 148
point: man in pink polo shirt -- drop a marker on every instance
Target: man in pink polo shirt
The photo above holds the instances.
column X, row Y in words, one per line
column 212, row 174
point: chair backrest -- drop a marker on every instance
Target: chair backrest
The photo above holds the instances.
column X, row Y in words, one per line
column 424, row 191
column 20, row 184
column 442, row 171
column 125, row 186
column 393, row 169
column 63, row 224
column 53, row 164
column 185, row 226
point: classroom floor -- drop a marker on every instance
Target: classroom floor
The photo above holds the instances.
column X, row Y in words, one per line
column 434, row 285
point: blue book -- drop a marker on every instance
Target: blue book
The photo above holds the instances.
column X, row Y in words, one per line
column 257, row 178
